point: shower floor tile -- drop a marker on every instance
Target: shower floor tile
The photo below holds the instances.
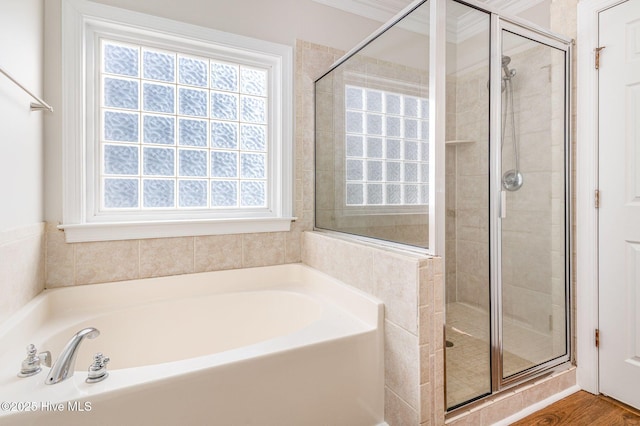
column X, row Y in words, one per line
column 468, row 370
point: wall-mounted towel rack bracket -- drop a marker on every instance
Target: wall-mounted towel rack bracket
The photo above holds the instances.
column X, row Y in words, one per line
column 40, row 105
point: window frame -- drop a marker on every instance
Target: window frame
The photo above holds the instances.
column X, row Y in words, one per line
column 83, row 25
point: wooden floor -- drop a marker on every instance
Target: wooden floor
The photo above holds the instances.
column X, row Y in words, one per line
column 583, row 408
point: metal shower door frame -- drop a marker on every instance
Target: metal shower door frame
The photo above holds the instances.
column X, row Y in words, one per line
column 498, row 26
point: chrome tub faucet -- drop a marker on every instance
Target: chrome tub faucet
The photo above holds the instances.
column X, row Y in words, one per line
column 64, row 366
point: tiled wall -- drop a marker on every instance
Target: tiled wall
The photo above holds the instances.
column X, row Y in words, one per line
column 108, row 261
column 21, row 267
column 532, row 237
column 412, row 289
column 526, row 231
column 467, row 186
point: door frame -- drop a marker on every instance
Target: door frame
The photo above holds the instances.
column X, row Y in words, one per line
column 587, row 299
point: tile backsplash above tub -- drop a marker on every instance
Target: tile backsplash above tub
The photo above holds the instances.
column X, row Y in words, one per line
column 108, row 261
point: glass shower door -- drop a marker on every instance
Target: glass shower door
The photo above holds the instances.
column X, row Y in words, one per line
column 533, row 215
column 507, row 191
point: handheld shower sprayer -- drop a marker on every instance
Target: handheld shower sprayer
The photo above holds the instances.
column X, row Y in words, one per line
column 512, row 180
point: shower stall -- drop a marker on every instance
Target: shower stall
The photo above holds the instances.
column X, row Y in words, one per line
column 447, row 132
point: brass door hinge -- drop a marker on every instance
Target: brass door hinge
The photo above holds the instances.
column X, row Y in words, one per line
column 597, row 338
column 598, row 49
column 596, row 198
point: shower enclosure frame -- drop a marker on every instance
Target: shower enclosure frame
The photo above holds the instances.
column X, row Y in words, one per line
column 496, row 203
column 437, row 212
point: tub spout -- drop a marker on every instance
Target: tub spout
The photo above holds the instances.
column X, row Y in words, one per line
column 65, row 365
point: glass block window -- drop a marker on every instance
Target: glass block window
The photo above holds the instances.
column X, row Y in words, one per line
column 387, row 148
column 179, row 131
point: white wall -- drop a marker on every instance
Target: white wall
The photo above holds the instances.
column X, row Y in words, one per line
column 21, row 155
column 280, row 21
column 21, row 150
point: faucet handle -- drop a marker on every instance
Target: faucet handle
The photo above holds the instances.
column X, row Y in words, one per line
column 98, row 370
column 100, row 360
column 31, row 364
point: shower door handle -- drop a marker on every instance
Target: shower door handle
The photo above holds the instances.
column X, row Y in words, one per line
column 503, row 204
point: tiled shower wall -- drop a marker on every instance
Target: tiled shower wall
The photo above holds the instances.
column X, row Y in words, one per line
column 467, row 197
column 527, row 237
column 529, row 245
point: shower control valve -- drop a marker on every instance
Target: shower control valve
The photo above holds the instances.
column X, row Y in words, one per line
column 98, row 370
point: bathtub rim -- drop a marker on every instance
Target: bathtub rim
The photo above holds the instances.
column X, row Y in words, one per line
column 162, row 286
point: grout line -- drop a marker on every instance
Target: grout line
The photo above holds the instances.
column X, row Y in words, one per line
column 75, row 272
column 193, row 260
column 45, row 252
column 402, row 399
column 139, row 258
column 285, row 244
column 242, row 262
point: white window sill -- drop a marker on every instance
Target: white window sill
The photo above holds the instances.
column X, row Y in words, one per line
column 76, row 233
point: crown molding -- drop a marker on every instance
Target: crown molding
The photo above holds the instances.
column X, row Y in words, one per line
column 466, row 26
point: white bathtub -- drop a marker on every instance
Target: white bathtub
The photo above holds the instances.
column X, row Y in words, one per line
column 282, row 345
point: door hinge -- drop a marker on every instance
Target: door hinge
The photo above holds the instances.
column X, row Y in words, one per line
column 598, row 49
column 597, row 338
column 596, row 198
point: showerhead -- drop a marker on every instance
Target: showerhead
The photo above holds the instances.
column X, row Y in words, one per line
column 508, row 73
column 505, row 66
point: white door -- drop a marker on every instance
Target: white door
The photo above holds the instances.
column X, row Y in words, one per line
column 619, row 214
